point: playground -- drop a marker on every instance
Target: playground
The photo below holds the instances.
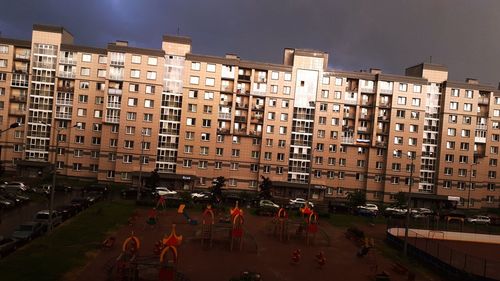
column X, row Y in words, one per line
column 183, row 244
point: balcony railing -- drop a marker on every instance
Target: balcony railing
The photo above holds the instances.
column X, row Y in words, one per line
column 25, row 56
column 225, row 116
column 257, row 107
column 240, row 119
column 384, row 104
column 64, row 102
column 363, row 129
column 46, row 65
column 299, row 156
column 65, row 60
column 114, row 120
column 242, row 92
column 255, row 133
column 381, row 144
column 65, row 89
column 348, row 140
column 222, row 131
column 244, row 77
column 116, row 105
column 226, row 88
column 67, row 74
column 116, row 76
column 481, row 127
column 483, row 100
column 169, row 131
column 117, row 62
column 351, row 101
column 242, row 105
column 480, row 139
column 60, row 115
column 258, row 92
column 171, row 104
column 386, row 91
column 21, row 98
column 113, row 91
column 17, row 111
column 367, row 89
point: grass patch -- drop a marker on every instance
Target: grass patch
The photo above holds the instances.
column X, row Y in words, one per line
column 50, row 257
column 341, row 220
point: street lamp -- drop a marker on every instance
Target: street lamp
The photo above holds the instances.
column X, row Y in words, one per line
column 412, row 157
column 54, row 175
column 140, row 166
column 12, row 126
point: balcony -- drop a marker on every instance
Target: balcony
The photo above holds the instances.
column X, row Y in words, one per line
column 223, row 131
column 244, row 77
column 351, row 89
column 114, row 105
column 168, row 145
column 118, row 77
column 66, row 89
column 481, row 127
column 22, row 56
column 241, row 106
column 224, row 116
column 482, row 114
column 38, row 134
column 60, row 115
column 381, row 144
column 382, row 131
column 165, row 117
column 21, row 98
column 169, row 131
column 64, row 102
column 299, row 156
column 386, row 91
column 384, row 104
column 258, row 107
column 113, row 91
column 364, row 116
column 363, row 129
column 117, row 63
column 20, row 112
column 45, row 65
column 227, row 89
column 483, row 100
column 67, row 74
column 258, row 92
column 369, row 90
column 242, row 92
column 240, row 119
column 225, row 103
column 349, row 116
column 347, row 140
column 21, row 70
column 171, row 104
column 256, row 119
column 351, row 101
column 301, row 143
column 480, row 139
column 67, row 60
column 114, row 120
column 383, row 118
column 366, row 103
column 240, row 131
column 255, row 133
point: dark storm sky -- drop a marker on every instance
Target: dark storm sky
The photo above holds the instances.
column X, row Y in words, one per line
column 358, row 34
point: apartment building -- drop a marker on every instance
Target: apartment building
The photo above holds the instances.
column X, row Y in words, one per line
column 118, row 112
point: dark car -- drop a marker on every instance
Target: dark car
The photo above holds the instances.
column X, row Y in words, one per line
column 6, row 203
column 67, row 211
column 28, row 231
column 7, row 245
column 93, row 197
column 80, row 203
column 104, row 189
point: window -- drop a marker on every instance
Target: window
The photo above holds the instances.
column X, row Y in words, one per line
column 218, row 165
column 84, row 71
column 205, row 136
column 450, row 145
column 283, row 130
column 132, row 102
column 150, row 89
column 453, row 105
column 133, row 88
column 195, row 80
column 152, row 61
column 210, row 81
column 235, row 153
column 395, row 180
column 403, row 87
column 206, row 123
column 204, row 150
column 99, row 100
column 338, row 81
column 325, row 80
column 267, row 155
column 399, row 127
column 210, row 67
column 127, row 158
column 149, row 103
column 402, row 100
column 82, row 112
column 413, row 128
column 449, row 157
column 288, row 76
column 207, row 109
column 209, row 95
column 412, row 141
column 285, row 103
column 415, row 102
column 136, row 59
column 131, row 116
column 4, row 49
column 455, row 92
column 322, row 120
column 464, row 146
column 135, row 73
column 77, row 166
column 129, row 144
column 452, row 132
column 148, row 117
column 151, row 75
column 272, row 102
column 195, row 66
column 113, row 142
column 270, row 129
column 129, row 130
column 275, row 75
column 187, row 163
column 398, row 140
column 274, row 89
column 101, row 73
column 467, row 106
column 79, row 139
column 281, row 143
column 469, row 94
column 417, row 88
column 400, row 113
column 193, row 94
column 324, row 94
column 287, row 90
column 189, row 135
column 465, row 133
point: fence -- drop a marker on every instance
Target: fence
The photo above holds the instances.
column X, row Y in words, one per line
column 458, row 264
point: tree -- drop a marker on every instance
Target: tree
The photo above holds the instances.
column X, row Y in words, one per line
column 265, row 188
column 356, row 198
column 153, row 180
column 217, row 185
column 400, row 199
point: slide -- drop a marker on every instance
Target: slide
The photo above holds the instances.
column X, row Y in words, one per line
column 181, row 210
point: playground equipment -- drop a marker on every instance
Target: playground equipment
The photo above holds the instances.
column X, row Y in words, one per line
column 237, row 226
column 181, row 210
column 124, row 267
column 169, row 256
column 281, row 224
column 207, row 226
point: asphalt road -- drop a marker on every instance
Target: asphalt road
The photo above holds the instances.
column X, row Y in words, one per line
column 10, row 219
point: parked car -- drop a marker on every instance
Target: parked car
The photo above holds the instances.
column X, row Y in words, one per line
column 80, row 203
column 479, row 219
column 28, row 231
column 16, row 186
column 7, row 245
column 67, row 211
column 43, row 217
column 421, row 212
column 12, row 197
column 6, row 203
column 268, row 203
column 45, row 188
column 102, row 188
column 368, row 206
column 395, row 211
column 163, row 191
column 201, row 195
column 300, row 202
column 93, row 197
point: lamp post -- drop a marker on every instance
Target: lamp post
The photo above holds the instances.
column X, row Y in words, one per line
column 12, row 126
column 140, row 167
column 54, row 175
column 408, row 201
